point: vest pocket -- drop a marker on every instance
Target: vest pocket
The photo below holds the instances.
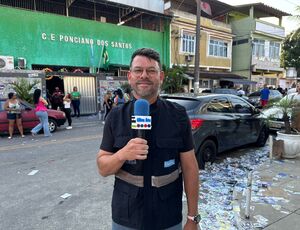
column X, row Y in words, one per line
column 166, row 155
column 168, row 207
column 126, row 203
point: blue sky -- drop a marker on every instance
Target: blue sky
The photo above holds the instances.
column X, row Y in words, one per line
column 288, row 6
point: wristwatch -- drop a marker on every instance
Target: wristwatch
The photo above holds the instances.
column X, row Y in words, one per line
column 196, row 218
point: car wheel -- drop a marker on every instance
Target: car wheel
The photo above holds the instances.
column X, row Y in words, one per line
column 262, row 138
column 207, row 152
column 52, row 125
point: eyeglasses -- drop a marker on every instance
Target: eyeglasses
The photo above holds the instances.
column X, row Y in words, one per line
column 139, row 71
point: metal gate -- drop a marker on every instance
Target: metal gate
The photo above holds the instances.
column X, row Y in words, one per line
column 87, row 88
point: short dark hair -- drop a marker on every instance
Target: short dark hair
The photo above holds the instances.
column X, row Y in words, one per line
column 10, row 95
column 146, row 52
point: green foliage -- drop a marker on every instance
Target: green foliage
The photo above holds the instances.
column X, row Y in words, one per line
column 126, row 87
column 173, row 82
column 286, row 106
column 24, row 88
column 291, row 51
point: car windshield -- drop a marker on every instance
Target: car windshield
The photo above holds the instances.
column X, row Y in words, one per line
column 189, row 104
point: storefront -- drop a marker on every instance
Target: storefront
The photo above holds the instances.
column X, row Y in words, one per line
column 72, row 51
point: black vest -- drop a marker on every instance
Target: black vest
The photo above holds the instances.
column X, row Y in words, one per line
column 150, row 207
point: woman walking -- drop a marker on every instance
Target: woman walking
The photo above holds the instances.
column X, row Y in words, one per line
column 13, row 108
column 41, row 113
column 67, row 110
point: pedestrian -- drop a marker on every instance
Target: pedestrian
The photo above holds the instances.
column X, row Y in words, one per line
column 75, row 96
column 119, row 98
column 241, row 92
column 107, row 103
column 57, row 99
column 264, row 96
column 67, row 110
column 41, row 112
column 149, row 171
column 13, row 108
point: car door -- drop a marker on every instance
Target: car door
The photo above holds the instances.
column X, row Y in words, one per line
column 246, row 123
column 29, row 119
column 220, row 114
column 3, row 118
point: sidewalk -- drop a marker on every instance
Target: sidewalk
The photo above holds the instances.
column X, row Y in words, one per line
column 275, row 202
column 86, row 120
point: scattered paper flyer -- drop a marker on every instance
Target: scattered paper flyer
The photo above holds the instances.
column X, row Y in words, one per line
column 66, row 195
column 33, row 172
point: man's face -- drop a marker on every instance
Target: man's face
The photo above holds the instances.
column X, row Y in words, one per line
column 145, row 78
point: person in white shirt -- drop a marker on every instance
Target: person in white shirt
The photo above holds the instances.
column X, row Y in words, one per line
column 241, row 92
column 67, row 110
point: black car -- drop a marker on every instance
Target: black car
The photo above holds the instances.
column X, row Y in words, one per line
column 221, row 122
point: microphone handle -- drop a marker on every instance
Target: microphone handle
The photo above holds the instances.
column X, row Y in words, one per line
column 141, row 133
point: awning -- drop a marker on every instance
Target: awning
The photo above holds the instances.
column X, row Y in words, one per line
column 210, row 75
column 239, row 81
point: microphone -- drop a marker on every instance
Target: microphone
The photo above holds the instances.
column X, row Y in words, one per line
column 141, row 120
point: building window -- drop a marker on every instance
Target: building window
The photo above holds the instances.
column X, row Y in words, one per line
column 274, row 50
column 188, row 42
column 218, row 48
column 258, row 48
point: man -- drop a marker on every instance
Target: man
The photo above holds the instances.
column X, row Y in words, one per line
column 264, row 95
column 149, row 172
column 75, row 96
column 57, row 99
column 241, row 92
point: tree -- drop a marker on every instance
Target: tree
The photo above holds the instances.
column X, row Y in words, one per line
column 173, row 82
column 24, row 88
column 290, row 56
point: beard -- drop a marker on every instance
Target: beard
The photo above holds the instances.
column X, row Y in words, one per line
column 150, row 90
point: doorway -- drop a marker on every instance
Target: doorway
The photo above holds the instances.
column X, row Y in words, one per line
column 52, row 82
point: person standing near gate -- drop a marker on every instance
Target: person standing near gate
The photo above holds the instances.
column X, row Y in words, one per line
column 149, row 171
column 75, row 96
column 57, row 99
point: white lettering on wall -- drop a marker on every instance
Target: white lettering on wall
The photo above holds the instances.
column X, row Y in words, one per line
column 52, row 37
column 85, row 40
column 44, row 37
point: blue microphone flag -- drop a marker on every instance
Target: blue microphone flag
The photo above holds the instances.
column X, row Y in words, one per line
column 141, row 118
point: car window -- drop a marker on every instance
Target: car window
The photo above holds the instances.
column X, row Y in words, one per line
column 225, row 91
column 254, row 94
column 240, row 106
column 186, row 103
column 219, row 105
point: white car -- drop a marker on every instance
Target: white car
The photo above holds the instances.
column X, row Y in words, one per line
column 275, row 114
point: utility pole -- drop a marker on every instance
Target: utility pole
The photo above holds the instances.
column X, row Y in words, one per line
column 197, row 49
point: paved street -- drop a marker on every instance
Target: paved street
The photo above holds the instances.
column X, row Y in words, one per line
column 66, row 164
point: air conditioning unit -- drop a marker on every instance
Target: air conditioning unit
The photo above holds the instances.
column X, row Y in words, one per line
column 188, row 58
column 6, row 62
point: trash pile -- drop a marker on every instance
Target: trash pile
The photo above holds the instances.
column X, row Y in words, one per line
column 221, row 184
